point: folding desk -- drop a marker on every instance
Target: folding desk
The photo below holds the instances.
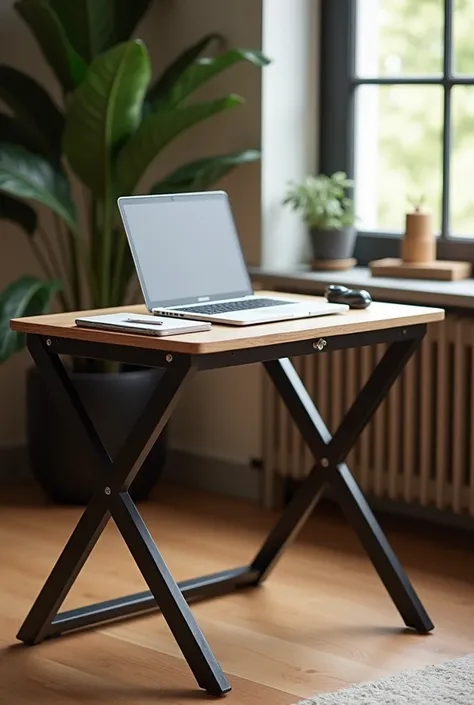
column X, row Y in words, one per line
column 48, row 337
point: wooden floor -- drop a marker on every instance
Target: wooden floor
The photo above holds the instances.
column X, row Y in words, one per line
column 321, row 621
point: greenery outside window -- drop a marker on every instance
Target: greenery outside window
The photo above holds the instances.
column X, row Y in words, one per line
column 397, row 114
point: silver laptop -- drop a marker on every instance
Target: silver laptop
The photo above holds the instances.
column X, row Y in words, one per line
column 190, row 265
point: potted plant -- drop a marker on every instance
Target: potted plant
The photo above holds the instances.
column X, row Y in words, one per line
column 74, row 160
column 328, row 212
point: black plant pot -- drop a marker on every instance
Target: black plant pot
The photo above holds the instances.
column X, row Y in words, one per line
column 59, row 459
column 333, row 244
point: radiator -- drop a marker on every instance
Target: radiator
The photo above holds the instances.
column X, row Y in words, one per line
column 419, row 447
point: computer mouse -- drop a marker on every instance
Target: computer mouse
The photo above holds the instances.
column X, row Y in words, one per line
column 354, row 298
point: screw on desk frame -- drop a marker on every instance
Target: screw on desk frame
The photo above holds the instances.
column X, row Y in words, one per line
column 319, row 344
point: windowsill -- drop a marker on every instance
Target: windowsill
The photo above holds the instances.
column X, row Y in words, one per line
column 457, row 294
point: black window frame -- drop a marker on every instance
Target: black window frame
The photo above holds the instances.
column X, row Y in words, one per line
column 338, row 84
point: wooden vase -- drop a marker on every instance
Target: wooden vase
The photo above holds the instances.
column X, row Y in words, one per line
column 419, row 242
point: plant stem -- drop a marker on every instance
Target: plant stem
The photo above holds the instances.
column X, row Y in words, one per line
column 55, row 263
column 45, row 266
column 61, row 243
column 78, row 253
column 106, row 249
column 69, row 262
column 86, row 261
column 52, row 273
column 91, row 264
column 94, row 245
column 75, row 282
column 116, row 280
column 136, row 296
column 47, row 271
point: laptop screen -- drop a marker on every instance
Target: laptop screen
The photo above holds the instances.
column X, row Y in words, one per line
column 185, row 247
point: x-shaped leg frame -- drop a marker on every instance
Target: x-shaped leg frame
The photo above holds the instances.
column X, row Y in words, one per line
column 331, row 472
column 113, row 500
column 114, row 477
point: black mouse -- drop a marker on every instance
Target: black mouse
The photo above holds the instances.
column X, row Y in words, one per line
column 354, row 298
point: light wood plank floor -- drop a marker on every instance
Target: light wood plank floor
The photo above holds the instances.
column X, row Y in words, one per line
column 321, row 622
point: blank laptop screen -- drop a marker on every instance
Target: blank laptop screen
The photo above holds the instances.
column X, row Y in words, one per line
column 185, row 248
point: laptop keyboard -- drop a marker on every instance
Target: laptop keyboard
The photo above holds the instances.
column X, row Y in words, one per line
column 228, row 306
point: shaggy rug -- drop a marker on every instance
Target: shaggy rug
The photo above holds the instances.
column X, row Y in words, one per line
column 449, row 683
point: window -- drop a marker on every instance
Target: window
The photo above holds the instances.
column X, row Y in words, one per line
column 397, row 113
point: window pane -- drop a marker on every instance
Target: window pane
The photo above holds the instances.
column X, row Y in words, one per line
column 400, row 37
column 463, row 36
column 462, row 162
column 398, row 153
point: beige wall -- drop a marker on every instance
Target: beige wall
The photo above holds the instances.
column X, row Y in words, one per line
column 221, row 414
column 207, row 421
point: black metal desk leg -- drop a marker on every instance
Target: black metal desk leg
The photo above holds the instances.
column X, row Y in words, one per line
column 360, row 516
column 36, row 626
column 113, row 478
column 168, row 596
column 290, row 523
column 329, row 453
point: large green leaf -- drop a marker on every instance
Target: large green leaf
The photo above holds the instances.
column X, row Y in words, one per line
column 94, row 26
column 105, row 110
column 18, row 212
column 66, row 63
column 13, row 132
column 26, row 175
column 162, row 88
column 34, row 110
column 204, row 69
column 158, row 130
column 199, row 175
column 89, row 24
column 27, row 296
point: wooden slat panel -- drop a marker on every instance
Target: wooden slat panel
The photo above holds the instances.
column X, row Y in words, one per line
column 394, row 410
column 322, row 371
column 365, row 469
column 380, row 437
column 282, row 443
column 459, row 414
column 402, row 426
column 310, row 381
column 296, row 450
column 471, row 434
column 426, row 402
column 408, row 422
column 442, row 419
column 336, row 389
column 271, row 404
column 351, row 389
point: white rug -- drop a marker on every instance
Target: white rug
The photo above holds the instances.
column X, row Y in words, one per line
column 449, row 683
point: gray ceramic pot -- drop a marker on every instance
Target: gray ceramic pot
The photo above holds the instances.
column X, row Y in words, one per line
column 333, row 244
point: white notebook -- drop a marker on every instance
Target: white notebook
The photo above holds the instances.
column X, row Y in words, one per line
column 142, row 324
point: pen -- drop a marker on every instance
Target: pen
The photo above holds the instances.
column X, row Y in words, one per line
column 151, row 322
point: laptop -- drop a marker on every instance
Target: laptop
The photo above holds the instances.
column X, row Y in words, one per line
column 190, row 264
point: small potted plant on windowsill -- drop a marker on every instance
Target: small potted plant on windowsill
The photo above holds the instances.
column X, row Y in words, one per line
column 328, row 212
